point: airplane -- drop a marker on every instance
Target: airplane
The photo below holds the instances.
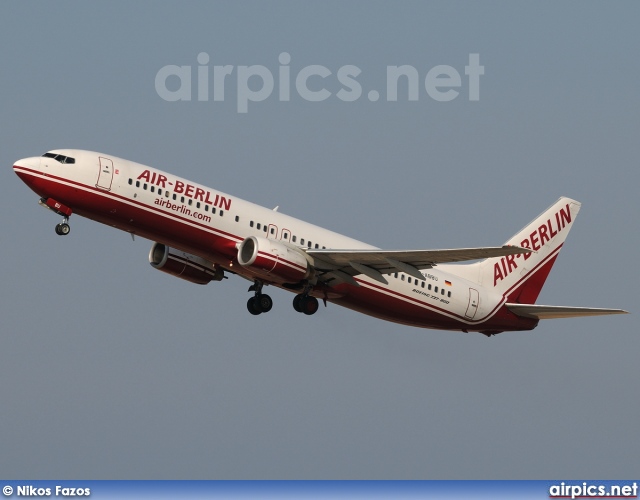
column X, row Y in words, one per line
column 200, row 235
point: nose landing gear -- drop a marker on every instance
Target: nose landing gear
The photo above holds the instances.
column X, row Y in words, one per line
column 63, row 228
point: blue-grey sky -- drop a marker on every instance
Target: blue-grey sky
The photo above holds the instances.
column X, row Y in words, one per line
column 110, row 369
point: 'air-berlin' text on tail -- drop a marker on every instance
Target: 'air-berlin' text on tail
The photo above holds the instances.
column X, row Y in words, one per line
column 519, row 278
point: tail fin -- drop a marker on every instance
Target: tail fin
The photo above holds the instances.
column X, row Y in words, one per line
column 520, row 277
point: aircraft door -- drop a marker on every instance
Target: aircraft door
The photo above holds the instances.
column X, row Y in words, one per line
column 474, row 299
column 286, row 235
column 272, row 232
column 105, row 175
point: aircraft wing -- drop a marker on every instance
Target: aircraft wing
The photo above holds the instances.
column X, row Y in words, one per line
column 554, row 312
column 343, row 265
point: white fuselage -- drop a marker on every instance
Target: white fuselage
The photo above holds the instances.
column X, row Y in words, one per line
column 211, row 225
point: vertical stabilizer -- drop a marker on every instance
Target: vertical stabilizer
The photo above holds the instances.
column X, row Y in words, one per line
column 520, row 277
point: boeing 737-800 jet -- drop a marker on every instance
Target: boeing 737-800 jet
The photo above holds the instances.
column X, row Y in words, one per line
column 200, row 234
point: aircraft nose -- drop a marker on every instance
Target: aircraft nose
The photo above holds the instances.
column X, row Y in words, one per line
column 26, row 167
column 26, row 164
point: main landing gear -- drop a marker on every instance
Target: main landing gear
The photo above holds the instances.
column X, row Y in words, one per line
column 260, row 302
column 304, row 303
column 63, row 228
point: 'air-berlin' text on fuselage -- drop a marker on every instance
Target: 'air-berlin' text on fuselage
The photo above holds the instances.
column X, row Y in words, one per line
column 186, row 189
column 535, row 241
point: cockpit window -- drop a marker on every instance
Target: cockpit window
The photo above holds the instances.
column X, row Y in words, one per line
column 60, row 158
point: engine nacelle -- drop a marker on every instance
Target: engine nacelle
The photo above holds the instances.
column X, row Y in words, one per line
column 273, row 260
column 184, row 265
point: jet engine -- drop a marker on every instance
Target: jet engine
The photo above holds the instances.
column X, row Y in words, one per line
column 273, row 260
column 184, row 265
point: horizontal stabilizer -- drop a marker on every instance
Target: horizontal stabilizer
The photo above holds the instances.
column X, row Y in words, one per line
column 555, row 312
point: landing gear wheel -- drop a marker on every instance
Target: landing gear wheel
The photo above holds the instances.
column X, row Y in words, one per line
column 260, row 302
column 252, row 306
column 309, row 305
column 296, row 302
column 63, row 229
column 263, row 302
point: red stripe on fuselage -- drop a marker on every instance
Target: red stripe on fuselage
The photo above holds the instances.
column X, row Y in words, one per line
column 100, row 206
column 219, row 246
column 42, row 190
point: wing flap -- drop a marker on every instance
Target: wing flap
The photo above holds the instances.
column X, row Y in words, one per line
column 555, row 312
column 391, row 261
